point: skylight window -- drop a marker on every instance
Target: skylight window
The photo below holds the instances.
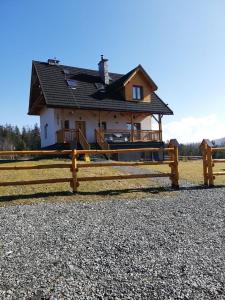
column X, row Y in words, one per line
column 72, row 83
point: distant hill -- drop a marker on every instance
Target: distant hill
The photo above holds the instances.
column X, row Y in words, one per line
column 220, row 141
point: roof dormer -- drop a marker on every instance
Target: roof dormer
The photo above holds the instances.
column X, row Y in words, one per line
column 139, row 86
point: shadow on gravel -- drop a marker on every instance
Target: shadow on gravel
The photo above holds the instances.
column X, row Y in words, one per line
column 33, row 196
column 151, row 190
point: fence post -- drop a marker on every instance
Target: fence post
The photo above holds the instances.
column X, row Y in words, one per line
column 74, row 170
column 203, row 148
column 210, row 165
column 174, row 156
column 206, row 149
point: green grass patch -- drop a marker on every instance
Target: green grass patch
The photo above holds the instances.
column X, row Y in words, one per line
column 192, row 171
column 91, row 191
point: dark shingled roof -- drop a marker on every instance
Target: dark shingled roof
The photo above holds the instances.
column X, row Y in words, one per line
column 88, row 94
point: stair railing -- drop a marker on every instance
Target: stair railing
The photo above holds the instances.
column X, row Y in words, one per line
column 100, row 140
column 82, row 140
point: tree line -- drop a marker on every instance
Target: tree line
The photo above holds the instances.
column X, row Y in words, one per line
column 28, row 138
column 193, row 149
column 13, row 138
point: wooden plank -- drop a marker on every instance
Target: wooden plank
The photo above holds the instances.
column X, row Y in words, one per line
column 35, row 167
column 124, row 150
column 67, row 152
column 118, row 177
column 97, row 165
column 218, row 149
column 218, row 173
column 219, row 160
column 36, row 152
column 40, row 181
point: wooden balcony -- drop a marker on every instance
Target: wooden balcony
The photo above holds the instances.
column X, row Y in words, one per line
column 120, row 136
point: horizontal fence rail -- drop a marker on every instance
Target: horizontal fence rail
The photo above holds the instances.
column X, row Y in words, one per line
column 207, row 150
column 74, row 166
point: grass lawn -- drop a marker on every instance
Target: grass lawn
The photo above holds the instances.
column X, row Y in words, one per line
column 93, row 190
column 192, row 171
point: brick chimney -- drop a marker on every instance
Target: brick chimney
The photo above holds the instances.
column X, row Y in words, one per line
column 103, row 70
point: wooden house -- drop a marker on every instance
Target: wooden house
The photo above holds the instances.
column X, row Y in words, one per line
column 95, row 108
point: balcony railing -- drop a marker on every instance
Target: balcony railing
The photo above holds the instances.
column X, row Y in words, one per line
column 110, row 135
column 118, row 135
column 72, row 135
column 66, row 135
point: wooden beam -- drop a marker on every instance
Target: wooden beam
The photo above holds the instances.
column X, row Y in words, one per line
column 74, row 183
column 118, row 177
column 218, row 149
column 40, row 181
column 210, row 166
column 36, row 152
column 124, row 150
column 218, row 173
column 132, row 127
column 174, row 155
column 147, row 163
column 36, row 167
column 160, row 126
column 219, row 160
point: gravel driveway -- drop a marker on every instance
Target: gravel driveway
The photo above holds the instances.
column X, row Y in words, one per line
column 170, row 247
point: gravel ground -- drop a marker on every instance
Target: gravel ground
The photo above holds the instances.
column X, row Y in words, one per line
column 162, row 181
column 170, row 247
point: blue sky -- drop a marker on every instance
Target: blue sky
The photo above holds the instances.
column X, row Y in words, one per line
column 181, row 44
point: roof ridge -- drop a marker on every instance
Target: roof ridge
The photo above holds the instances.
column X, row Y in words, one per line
column 81, row 68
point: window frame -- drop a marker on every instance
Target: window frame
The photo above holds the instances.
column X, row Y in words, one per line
column 137, row 92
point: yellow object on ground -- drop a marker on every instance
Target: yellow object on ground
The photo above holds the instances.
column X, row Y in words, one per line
column 87, row 158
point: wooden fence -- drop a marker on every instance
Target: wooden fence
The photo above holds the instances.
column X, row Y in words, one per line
column 207, row 150
column 74, row 166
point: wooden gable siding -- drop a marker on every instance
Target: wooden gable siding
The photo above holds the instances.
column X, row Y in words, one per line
column 140, row 80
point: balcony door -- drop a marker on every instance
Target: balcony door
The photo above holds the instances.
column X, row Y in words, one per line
column 82, row 126
column 136, row 134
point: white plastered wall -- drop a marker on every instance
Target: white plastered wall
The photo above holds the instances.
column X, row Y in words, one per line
column 47, row 116
column 115, row 120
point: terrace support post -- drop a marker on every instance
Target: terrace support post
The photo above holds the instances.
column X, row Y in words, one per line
column 74, row 170
column 206, row 149
column 160, row 127
column 174, row 156
column 132, row 128
column 159, row 121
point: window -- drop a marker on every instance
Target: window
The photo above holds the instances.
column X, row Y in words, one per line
column 104, row 126
column 72, row 83
column 66, row 124
column 46, row 130
column 136, row 126
column 137, row 92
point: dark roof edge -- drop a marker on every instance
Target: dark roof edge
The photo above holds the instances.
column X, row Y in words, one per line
column 44, row 95
column 147, row 75
column 116, row 110
column 165, row 105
